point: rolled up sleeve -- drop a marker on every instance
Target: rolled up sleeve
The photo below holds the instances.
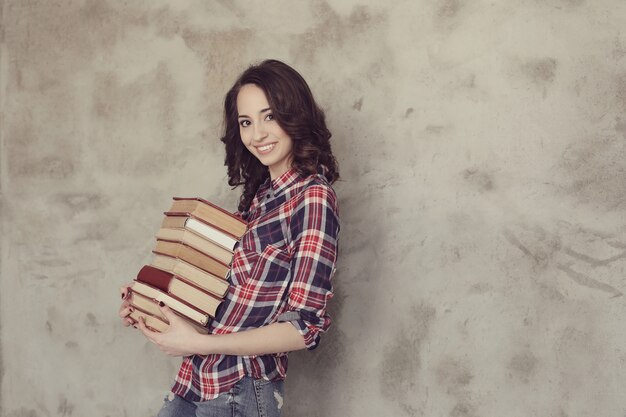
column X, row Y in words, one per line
column 314, row 228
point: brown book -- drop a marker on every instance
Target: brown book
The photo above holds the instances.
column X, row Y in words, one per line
column 154, row 318
column 173, row 302
column 153, row 323
column 196, row 241
column 209, row 213
column 206, row 230
column 192, row 256
column 179, row 287
column 201, row 278
column 198, row 226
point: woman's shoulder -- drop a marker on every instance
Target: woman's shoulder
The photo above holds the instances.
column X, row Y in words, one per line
column 315, row 189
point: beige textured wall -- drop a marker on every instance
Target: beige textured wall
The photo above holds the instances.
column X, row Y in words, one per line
column 482, row 148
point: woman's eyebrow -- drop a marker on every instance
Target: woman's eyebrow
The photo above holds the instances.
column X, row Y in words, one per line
column 260, row 112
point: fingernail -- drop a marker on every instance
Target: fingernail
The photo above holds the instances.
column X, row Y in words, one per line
column 161, row 303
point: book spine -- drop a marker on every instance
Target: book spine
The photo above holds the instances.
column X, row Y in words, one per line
column 194, row 285
column 203, row 275
column 162, row 279
column 155, row 277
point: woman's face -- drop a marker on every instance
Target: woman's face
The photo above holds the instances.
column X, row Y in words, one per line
column 261, row 133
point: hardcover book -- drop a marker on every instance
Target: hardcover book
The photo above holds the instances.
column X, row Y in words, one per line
column 209, row 213
column 180, row 288
column 153, row 317
column 196, row 241
column 171, row 301
column 193, row 256
column 199, row 277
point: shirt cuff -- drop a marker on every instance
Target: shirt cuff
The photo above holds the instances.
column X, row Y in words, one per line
column 309, row 332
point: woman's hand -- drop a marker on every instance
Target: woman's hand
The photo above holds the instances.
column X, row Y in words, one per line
column 125, row 308
column 178, row 340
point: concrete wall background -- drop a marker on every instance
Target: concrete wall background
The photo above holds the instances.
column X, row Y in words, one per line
column 482, row 149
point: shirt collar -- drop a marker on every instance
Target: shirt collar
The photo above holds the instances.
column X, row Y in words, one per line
column 283, row 181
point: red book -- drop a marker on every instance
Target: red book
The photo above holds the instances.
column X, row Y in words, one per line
column 179, row 287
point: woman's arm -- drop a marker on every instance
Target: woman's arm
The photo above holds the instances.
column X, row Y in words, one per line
column 181, row 339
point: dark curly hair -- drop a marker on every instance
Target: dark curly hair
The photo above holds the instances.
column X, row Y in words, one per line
column 297, row 114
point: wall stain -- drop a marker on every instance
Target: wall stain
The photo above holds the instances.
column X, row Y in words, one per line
column 592, row 261
column 401, row 362
column 319, row 372
column 65, row 408
column 24, row 412
column 435, row 129
column 589, row 168
column 463, row 409
column 620, row 127
column 541, row 71
column 91, row 320
column 151, row 99
column 358, row 104
column 547, row 251
column 408, row 112
column 51, row 167
column 449, row 9
column 94, row 232
column 168, row 24
column 543, row 247
column 71, row 345
column 483, row 181
column 76, row 203
column 480, row 288
column 221, row 50
column 333, row 29
column 522, row 366
column 585, row 281
column 54, row 263
column 453, row 375
column 620, row 90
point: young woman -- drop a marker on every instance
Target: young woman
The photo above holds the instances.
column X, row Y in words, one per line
column 278, row 149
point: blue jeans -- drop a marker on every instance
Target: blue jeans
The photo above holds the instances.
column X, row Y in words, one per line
column 249, row 397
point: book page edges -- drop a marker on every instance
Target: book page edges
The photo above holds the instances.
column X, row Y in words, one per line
column 190, row 247
column 208, row 223
column 198, row 315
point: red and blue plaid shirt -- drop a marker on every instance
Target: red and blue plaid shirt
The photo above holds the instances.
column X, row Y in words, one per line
column 281, row 272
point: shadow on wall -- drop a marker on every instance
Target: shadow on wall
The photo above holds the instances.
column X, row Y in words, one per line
column 314, row 376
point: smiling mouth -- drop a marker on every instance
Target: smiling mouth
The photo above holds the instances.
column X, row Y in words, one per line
column 266, row 148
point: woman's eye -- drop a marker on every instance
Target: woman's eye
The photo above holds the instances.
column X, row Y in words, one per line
column 269, row 117
column 244, row 123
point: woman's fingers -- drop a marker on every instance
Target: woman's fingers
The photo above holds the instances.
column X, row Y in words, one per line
column 125, row 290
column 125, row 310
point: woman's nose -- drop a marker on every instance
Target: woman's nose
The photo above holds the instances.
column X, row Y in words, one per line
column 259, row 133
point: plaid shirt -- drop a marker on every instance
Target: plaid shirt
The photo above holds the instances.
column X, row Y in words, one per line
column 281, row 272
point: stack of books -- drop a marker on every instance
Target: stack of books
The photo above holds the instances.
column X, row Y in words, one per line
column 192, row 258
